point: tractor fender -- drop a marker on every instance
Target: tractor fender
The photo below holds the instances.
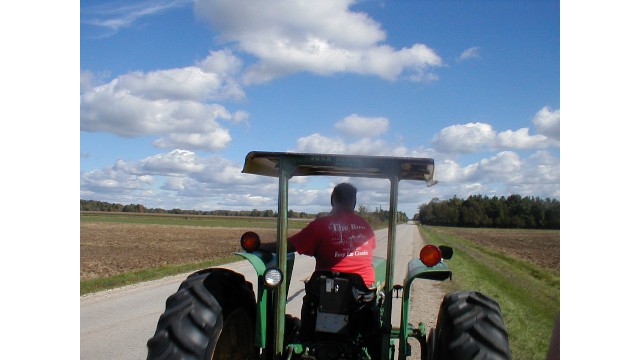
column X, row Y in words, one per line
column 262, row 260
column 417, row 270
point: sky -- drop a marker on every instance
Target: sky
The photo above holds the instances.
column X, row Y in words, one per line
column 174, row 94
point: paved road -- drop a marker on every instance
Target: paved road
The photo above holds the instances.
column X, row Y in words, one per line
column 116, row 324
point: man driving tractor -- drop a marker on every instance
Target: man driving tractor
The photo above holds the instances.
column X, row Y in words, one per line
column 342, row 242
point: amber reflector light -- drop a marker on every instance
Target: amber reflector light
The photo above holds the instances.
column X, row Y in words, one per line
column 250, row 241
column 430, row 255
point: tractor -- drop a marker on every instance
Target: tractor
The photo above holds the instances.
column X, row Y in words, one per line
column 217, row 314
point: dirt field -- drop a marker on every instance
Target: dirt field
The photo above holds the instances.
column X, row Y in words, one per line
column 113, row 248
column 541, row 247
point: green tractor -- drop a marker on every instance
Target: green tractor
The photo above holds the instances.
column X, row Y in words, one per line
column 216, row 314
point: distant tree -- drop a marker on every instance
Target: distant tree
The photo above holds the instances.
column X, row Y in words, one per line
column 255, row 213
column 552, row 214
column 362, row 210
column 472, row 214
column 496, row 211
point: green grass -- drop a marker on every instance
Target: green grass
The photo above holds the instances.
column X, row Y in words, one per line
column 529, row 295
column 95, row 285
column 191, row 220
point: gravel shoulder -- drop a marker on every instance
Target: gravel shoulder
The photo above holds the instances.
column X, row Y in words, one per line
column 426, row 297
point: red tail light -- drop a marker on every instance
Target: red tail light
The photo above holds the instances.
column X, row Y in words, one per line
column 250, row 241
column 430, row 255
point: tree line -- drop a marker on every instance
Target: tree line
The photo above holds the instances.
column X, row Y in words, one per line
column 513, row 211
column 376, row 217
column 93, row 205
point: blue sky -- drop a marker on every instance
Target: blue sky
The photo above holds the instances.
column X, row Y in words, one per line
column 175, row 93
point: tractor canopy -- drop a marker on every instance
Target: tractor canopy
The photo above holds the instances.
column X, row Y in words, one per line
column 269, row 164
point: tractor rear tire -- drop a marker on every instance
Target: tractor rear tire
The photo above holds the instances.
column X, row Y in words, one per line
column 470, row 326
column 211, row 316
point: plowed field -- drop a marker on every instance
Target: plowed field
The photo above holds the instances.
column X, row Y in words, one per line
column 541, row 247
column 108, row 248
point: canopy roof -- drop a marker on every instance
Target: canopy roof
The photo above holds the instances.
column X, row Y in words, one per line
column 300, row 164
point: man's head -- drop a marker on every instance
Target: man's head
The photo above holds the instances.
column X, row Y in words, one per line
column 344, row 197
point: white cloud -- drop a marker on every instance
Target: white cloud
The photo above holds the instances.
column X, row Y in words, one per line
column 322, row 37
column 547, row 122
column 89, row 80
column 465, row 138
column 114, row 16
column 505, row 166
column 222, row 62
column 472, row 137
column 470, row 53
column 212, row 79
column 174, row 184
column 117, row 111
column 189, row 83
column 239, row 116
column 361, row 126
column 175, row 163
column 449, row 171
column 247, row 19
column 544, row 167
column 178, row 178
column 316, row 143
column 370, row 147
column 173, row 103
column 303, row 198
column 227, row 67
column 502, row 174
column 520, row 139
column 215, row 140
column 113, row 181
column 183, row 179
column 539, row 175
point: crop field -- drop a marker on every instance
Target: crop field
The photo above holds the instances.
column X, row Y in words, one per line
column 114, row 244
column 540, row 247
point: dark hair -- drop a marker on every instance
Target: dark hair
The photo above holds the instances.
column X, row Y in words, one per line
column 344, row 195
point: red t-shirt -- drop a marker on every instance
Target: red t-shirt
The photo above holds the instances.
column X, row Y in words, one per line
column 342, row 242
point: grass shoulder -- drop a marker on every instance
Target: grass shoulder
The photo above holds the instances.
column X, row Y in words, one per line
column 134, row 277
